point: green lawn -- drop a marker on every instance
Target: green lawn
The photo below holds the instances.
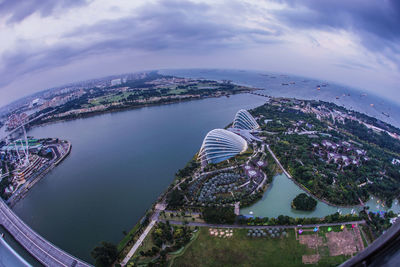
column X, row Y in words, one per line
column 176, row 91
column 110, row 98
column 241, row 250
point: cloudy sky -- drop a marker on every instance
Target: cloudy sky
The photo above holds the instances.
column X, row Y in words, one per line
column 46, row 43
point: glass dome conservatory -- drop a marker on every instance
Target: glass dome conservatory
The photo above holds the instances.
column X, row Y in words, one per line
column 243, row 120
column 220, row 145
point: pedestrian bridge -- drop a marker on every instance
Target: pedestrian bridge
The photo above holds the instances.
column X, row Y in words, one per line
column 44, row 251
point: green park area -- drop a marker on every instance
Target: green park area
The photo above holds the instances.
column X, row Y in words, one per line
column 242, row 250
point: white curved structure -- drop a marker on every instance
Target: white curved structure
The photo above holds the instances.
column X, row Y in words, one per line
column 243, row 120
column 220, row 145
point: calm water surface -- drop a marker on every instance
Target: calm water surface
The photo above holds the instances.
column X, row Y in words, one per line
column 279, row 195
column 119, row 164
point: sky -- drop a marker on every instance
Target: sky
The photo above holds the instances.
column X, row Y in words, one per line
column 47, row 43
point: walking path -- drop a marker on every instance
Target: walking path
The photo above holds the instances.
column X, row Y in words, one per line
column 237, row 208
column 302, row 186
column 138, row 243
column 159, row 207
column 278, row 162
column 262, row 183
column 237, row 226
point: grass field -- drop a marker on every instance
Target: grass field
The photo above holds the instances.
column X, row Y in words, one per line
column 110, row 98
column 241, row 250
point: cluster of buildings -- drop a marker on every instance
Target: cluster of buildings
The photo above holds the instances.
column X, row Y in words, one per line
column 61, row 100
column 337, row 116
column 21, row 161
column 58, row 96
column 323, row 112
column 14, row 120
column 342, row 153
column 302, row 128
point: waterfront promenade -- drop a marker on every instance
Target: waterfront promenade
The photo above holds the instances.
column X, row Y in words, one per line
column 154, row 218
column 37, row 246
column 240, row 226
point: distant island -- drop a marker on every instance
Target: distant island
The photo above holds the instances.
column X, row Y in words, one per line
column 126, row 92
column 304, row 202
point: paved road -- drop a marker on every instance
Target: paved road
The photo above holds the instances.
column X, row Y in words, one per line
column 278, row 162
column 159, row 207
column 138, row 243
column 37, row 246
column 262, row 182
column 237, row 226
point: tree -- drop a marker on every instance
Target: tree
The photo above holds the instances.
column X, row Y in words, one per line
column 304, row 202
column 175, row 198
column 219, row 215
column 105, row 254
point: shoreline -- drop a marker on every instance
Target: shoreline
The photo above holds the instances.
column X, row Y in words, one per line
column 321, row 199
column 127, row 108
column 287, row 174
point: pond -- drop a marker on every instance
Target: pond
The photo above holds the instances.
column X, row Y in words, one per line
column 280, row 193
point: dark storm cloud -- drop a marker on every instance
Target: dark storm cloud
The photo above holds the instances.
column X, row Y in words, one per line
column 377, row 22
column 19, row 10
column 181, row 26
column 173, row 24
